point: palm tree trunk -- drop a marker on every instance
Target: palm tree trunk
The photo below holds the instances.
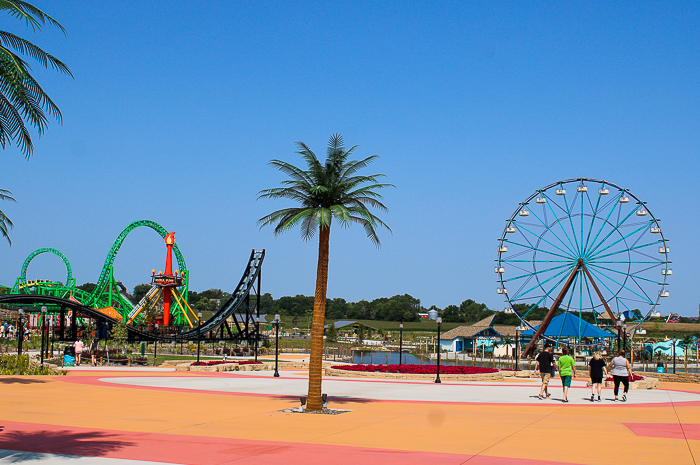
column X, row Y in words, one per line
column 314, row 402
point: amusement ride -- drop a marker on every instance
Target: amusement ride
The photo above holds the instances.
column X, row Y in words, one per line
column 584, row 246
column 163, row 313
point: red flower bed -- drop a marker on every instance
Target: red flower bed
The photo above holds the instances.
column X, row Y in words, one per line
column 220, row 362
column 632, row 378
column 418, row 369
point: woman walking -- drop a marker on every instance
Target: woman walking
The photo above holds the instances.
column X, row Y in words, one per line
column 567, row 370
column 596, row 370
column 621, row 372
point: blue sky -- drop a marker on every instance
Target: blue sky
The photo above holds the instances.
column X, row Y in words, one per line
column 175, row 111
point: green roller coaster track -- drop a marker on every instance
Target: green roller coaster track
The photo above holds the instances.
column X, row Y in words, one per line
column 106, row 292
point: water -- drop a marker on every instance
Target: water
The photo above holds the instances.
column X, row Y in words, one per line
column 380, row 358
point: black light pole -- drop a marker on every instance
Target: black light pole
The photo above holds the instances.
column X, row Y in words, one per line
column 401, row 341
column 624, row 337
column 43, row 331
column 257, row 334
column 674, row 355
column 277, row 344
column 517, row 354
column 439, row 322
column 619, row 329
column 199, row 334
column 20, row 332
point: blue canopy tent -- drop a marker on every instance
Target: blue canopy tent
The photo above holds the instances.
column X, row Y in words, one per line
column 568, row 325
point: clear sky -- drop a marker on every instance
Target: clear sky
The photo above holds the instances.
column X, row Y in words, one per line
column 177, row 107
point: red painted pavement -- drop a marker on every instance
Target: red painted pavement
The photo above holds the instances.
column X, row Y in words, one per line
column 666, row 430
column 199, row 450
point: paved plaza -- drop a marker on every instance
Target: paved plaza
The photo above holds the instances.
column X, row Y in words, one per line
column 146, row 415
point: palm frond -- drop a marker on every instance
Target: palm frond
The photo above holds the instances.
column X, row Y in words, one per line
column 33, row 16
column 27, row 48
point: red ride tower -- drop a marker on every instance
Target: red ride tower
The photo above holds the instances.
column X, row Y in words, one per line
column 167, row 281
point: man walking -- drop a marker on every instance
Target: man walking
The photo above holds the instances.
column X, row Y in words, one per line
column 543, row 364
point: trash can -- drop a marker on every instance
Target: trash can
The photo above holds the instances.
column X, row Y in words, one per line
column 660, row 367
column 68, row 360
column 69, row 350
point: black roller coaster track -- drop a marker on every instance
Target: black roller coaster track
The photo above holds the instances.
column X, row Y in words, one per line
column 245, row 322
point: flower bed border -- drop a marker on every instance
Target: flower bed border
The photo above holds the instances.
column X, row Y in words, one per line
column 378, row 374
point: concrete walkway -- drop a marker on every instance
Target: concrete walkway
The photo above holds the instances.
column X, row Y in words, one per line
column 112, row 417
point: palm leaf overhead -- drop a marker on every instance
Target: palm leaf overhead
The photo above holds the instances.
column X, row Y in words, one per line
column 324, row 192
column 23, row 102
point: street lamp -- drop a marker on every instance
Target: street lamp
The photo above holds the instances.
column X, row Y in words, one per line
column 43, row 331
column 439, row 322
column 624, row 336
column 619, row 329
column 20, row 332
column 257, row 333
column 277, row 344
column 199, row 334
column 400, row 341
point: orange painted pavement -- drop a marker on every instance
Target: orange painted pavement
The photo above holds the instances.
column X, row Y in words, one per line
column 548, row 431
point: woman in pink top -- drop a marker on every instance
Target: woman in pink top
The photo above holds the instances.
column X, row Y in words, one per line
column 78, row 350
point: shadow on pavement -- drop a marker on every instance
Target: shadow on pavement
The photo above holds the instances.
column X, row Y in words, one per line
column 88, row 444
column 12, row 380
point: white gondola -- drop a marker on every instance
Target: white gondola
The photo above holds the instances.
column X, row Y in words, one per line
column 655, row 230
column 664, row 294
column 603, row 191
column 624, row 199
column 668, row 272
column 582, row 189
column 501, row 291
column 503, row 248
column 511, row 230
column 561, row 191
column 524, row 213
column 641, row 212
column 664, row 250
column 541, row 200
column 499, row 270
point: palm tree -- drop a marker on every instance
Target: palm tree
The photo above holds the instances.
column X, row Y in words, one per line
column 325, row 191
column 687, row 342
column 21, row 97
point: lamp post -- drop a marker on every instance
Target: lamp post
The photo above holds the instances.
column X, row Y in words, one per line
column 277, row 344
column 20, row 332
column 401, row 341
column 619, row 330
column 199, row 333
column 674, row 355
column 43, row 331
column 439, row 322
column 624, row 337
column 257, row 334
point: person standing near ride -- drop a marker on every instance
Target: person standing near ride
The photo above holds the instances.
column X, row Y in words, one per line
column 567, row 370
column 621, row 373
column 78, row 350
column 93, row 353
column 544, row 363
column 596, row 370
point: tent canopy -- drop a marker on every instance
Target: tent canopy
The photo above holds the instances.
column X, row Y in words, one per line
column 569, row 325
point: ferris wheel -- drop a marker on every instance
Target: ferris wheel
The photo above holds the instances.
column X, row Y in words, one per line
column 585, row 246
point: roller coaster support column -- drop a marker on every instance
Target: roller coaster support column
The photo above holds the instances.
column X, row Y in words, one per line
column 73, row 325
column 167, row 294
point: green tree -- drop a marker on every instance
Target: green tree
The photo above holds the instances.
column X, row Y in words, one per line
column 332, row 333
column 22, row 100
column 325, row 191
column 119, row 333
column 140, row 290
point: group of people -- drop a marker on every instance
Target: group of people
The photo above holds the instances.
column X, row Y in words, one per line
column 79, row 347
column 598, row 369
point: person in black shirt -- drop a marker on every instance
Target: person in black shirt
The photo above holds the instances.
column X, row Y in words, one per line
column 597, row 371
column 544, row 366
